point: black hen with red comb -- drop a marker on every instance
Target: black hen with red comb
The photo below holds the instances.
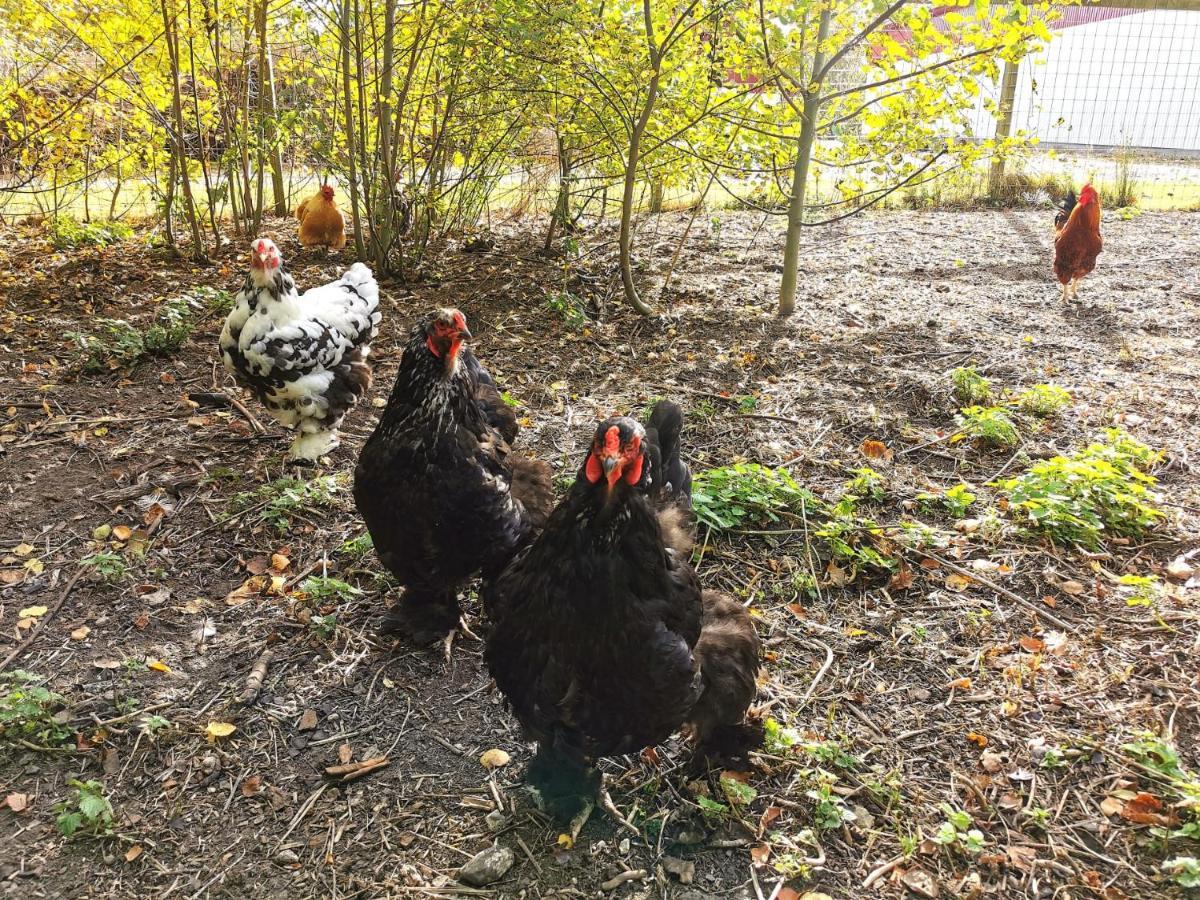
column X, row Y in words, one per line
column 441, row 491
column 603, row 640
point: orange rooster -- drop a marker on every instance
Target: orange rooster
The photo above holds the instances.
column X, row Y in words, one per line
column 1077, row 242
column 321, row 223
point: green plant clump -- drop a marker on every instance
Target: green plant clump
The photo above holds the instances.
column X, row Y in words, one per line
column 27, row 710
column 322, row 590
column 117, row 344
column 68, row 233
column 88, row 809
column 108, row 565
column 970, row 388
column 1043, row 400
column 989, row 425
column 1103, row 488
column 284, row 498
column 747, row 493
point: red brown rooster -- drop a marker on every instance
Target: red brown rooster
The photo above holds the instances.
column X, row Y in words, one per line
column 604, row 642
column 1077, row 241
column 441, row 492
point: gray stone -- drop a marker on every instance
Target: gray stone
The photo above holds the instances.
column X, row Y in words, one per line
column 487, row 866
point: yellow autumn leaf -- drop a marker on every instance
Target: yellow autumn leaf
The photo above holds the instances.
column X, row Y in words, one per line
column 122, row 532
column 23, row 549
column 35, row 566
column 566, row 841
column 159, row 666
column 33, row 611
column 217, row 730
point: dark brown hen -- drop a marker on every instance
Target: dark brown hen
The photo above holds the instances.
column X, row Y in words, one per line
column 603, row 641
column 437, row 484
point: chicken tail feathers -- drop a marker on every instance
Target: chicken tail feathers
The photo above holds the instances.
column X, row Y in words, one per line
column 663, row 431
column 1064, row 211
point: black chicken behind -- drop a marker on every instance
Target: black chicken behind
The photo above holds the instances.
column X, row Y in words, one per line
column 603, row 641
column 437, row 484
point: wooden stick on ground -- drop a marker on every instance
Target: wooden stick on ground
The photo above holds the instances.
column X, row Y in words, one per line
column 1004, row 592
column 258, row 673
column 43, row 621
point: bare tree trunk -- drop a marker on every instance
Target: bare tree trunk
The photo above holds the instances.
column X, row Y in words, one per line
column 266, row 92
column 625, row 239
column 172, row 37
column 808, row 134
column 348, row 109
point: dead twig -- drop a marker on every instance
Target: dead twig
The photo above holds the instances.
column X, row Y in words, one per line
column 881, row 870
column 43, row 621
column 352, row 771
column 1004, row 592
column 617, row 880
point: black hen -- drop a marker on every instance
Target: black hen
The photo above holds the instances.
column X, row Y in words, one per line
column 603, row 641
column 1064, row 211
column 441, row 492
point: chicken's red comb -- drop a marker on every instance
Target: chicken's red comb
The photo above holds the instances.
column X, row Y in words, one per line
column 612, row 440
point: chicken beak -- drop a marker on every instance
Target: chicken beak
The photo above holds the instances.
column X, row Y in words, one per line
column 464, row 333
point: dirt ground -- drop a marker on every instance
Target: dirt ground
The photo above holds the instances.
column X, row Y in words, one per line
column 1006, row 692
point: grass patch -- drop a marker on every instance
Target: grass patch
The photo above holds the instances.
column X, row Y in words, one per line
column 1101, row 489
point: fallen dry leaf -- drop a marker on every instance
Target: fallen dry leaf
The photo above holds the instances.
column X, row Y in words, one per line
column 252, row 786
column 159, row 666
column 345, row 754
column 1022, row 857
column 23, row 549
column 35, row 566
column 216, row 730
column 133, row 853
column 991, row 761
column 494, row 758
column 902, row 580
column 961, row 684
column 279, row 562
column 122, row 532
column 32, row 612
column 1032, row 644
column 977, row 739
column 1112, row 806
column 1074, row 588
column 770, row 814
column 957, row 583
column 81, row 633
column 875, row 450
column 760, row 853
column 1146, row 809
column 17, row 802
column 308, row 720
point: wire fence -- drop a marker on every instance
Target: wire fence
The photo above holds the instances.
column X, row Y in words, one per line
column 1116, row 98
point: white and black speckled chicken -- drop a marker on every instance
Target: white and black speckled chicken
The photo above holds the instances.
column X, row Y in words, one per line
column 603, row 640
column 437, row 484
column 303, row 355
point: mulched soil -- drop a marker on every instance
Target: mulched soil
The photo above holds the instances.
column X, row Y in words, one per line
column 946, row 689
